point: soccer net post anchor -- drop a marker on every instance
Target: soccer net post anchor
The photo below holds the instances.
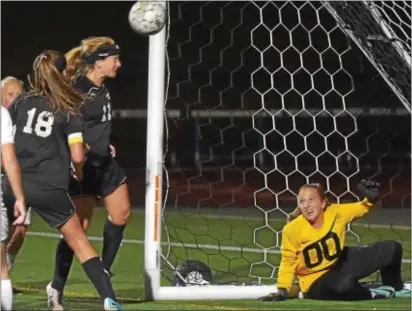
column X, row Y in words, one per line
column 153, row 208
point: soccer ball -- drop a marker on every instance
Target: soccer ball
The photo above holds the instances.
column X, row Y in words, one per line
column 147, row 18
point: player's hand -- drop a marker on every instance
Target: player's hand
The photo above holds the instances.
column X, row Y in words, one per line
column 279, row 296
column 112, row 151
column 369, row 189
column 78, row 175
column 77, row 172
column 86, row 148
column 19, row 212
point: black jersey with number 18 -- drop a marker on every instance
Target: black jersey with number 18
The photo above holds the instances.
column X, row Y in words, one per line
column 42, row 140
column 97, row 115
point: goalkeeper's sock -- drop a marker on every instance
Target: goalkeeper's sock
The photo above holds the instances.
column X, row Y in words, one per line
column 64, row 259
column 6, row 295
column 112, row 237
column 100, row 278
column 382, row 292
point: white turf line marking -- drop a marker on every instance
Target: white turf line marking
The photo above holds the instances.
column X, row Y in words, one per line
column 255, row 218
column 187, row 245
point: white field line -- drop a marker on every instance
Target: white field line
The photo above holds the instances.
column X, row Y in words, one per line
column 281, row 220
column 186, row 245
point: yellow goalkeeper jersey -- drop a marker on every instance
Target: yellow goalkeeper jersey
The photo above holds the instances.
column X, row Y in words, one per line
column 307, row 252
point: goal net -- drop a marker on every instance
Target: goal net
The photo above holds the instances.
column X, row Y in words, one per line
column 261, row 98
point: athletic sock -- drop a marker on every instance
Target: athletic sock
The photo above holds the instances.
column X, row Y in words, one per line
column 64, row 259
column 6, row 295
column 100, row 278
column 10, row 258
column 112, row 237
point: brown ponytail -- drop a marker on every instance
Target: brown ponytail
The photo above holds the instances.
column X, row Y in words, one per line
column 48, row 81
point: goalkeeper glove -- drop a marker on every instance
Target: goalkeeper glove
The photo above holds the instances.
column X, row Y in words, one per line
column 369, row 189
column 279, row 296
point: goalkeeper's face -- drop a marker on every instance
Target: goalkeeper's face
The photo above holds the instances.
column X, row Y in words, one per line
column 311, row 203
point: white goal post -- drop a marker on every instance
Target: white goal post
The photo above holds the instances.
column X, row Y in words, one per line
column 154, row 169
column 156, row 177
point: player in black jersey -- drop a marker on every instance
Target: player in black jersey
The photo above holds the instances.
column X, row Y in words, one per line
column 88, row 65
column 48, row 139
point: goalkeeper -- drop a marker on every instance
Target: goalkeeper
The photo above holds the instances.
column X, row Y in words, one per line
column 313, row 250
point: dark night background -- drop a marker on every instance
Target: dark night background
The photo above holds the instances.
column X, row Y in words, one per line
column 211, row 62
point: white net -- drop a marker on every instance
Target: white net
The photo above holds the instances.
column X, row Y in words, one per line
column 262, row 98
column 382, row 30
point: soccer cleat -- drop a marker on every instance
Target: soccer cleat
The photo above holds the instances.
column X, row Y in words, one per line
column 54, row 298
column 110, row 304
column 383, row 292
column 403, row 293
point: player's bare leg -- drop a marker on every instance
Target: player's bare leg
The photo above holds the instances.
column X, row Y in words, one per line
column 118, row 207
column 84, row 209
column 16, row 241
column 91, row 262
column 14, row 245
column 64, row 254
column 77, row 239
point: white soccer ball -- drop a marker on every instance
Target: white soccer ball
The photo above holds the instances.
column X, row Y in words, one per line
column 147, row 17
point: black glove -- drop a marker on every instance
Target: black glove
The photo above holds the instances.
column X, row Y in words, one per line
column 369, row 189
column 279, row 296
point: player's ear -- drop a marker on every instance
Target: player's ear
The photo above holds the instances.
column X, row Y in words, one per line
column 98, row 63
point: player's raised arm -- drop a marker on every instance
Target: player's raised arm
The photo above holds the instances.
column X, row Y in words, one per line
column 368, row 191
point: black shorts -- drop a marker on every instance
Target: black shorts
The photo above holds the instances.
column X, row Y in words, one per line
column 342, row 281
column 98, row 181
column 52, row 204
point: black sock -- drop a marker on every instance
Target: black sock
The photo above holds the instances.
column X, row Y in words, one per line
column 112, row 237
column 63, row 263
column 100, row 278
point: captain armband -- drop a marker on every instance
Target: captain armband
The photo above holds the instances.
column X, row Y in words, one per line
column 75, row 138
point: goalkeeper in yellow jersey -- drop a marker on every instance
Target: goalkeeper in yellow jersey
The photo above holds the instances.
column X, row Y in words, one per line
column 313, row 249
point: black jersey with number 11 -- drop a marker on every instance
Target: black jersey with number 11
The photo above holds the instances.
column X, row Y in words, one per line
column 42, row 140
column 97, row 115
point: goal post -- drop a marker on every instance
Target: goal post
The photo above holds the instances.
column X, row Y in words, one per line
column 260, row 98
column 154, row 163
column 154, row 187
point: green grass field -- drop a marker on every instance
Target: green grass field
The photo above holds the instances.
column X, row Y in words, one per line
column 231, row 257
